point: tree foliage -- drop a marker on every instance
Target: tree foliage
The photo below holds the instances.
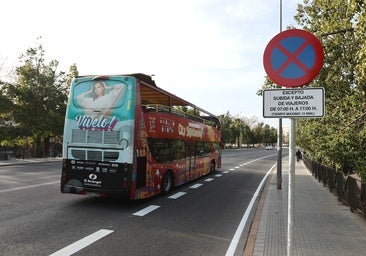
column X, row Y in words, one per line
column 240, row 130
column 32, row 108
column 38, row 98
column 339, row 138
column 6, row 107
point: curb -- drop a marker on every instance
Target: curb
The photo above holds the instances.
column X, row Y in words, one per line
column 252, row 236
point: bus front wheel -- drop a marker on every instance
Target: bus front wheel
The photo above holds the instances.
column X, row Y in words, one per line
column 167, row 182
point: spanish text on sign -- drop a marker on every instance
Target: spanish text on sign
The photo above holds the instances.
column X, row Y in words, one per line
column 300, row 102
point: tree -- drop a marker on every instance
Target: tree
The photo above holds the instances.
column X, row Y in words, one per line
column 269, row 135
column 226, row 132
column 5, row 104
column 39, row 96
column 258, row 133
column 247, row 135
column 338, row 139
column 6, row 107
column 237, row 130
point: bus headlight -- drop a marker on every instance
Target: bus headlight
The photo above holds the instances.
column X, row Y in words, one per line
column 123, row 143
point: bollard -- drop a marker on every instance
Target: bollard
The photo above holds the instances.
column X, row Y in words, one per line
column 340, row 185
column 353, row 193
column 331, row 179
column 324, row 175
column 363, row 198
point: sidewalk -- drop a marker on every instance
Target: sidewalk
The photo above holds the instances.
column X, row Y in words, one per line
column 322, row 226
column 14, row 161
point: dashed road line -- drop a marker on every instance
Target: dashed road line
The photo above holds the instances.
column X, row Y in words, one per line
column 82, row 243
column 146, row 210
column 196, row 185
column 252, row 161
column 177, row 195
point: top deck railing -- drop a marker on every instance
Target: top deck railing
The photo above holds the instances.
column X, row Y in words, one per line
column 208, row 120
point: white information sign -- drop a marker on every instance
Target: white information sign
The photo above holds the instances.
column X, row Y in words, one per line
column 289, row 103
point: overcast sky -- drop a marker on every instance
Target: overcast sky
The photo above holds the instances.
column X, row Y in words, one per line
column 209, row 52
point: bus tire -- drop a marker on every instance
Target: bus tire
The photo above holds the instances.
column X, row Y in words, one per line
column 212, row 166
column 167, row 182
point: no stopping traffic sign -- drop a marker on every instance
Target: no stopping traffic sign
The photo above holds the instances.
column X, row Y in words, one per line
column 293, row 58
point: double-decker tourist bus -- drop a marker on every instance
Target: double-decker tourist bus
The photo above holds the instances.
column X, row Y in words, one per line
column 126, row 137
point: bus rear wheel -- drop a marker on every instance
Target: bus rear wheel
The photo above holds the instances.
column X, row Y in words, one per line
column 167, row 182
column 212, row 166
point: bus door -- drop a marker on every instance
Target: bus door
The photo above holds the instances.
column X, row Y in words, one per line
column 190, row 160
column 141, row 168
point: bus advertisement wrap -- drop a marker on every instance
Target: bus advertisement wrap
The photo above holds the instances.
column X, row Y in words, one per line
column 124, row 136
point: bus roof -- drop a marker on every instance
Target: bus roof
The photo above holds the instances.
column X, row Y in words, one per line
column 160, row 96
column 155, row 94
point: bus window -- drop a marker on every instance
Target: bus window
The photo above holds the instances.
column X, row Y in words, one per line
column 177, row 150
column 203, row 148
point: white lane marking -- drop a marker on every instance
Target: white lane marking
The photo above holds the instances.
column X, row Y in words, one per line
column 29, row 186
column 196, row 185
column 252, row 161
column 146, row 210
column 234, row 242
column 82, row 243
column 225, row 172
column 177, row 195
column 209, row 179
column 218, row 175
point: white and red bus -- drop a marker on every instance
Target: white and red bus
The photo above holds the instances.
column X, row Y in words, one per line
column 126, row 137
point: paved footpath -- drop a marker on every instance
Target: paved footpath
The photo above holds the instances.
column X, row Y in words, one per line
column 322, row 226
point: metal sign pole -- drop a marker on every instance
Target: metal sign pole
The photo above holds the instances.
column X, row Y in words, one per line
column 280, row 65
column 291, row 191
column 279, row 155
column 280, row 132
